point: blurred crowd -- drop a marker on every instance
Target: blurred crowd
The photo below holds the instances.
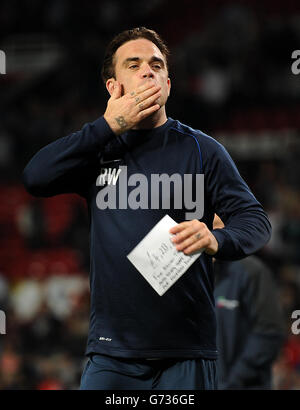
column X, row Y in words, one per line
column 230, row 68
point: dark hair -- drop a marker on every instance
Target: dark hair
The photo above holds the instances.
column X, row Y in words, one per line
column 108, row 68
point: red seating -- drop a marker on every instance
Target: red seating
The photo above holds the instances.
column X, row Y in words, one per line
column 16, row 260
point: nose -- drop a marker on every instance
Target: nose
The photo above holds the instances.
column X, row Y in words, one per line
column 147, row 72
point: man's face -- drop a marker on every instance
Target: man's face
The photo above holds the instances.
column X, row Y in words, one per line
column 139, row 61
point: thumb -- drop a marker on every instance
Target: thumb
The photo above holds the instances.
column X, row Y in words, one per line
column 116, row 91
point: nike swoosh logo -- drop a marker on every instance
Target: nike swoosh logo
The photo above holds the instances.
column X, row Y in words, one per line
column 109, row 161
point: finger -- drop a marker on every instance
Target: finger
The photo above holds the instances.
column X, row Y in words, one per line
column 149, row 101
column 145, row 86
column 140, row 97
column 179, row 227
column 148, row 93
column 181, row 230
column 196, row 247
column 117, row 91
column 184, row 234
column 203, row 244
column 148, row 111
column 189, row 241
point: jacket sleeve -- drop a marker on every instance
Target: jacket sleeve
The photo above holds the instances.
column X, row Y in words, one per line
column 266, row 333
column 247, row 227
column 63, row 165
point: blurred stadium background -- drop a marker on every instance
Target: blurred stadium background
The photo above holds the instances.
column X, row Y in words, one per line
column 231, row 77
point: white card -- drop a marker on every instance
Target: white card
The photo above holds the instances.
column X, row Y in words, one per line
column 157, row 258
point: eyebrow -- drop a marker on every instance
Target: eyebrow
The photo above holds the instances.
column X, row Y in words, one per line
column 137, row 59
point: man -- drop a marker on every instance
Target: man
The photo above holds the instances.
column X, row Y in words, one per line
column 250, row 326
column 130, row 323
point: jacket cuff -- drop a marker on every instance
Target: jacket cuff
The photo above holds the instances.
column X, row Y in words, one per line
column 102, row 131
column 225, row 245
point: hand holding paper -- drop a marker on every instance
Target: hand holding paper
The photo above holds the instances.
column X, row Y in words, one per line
column 157, row 258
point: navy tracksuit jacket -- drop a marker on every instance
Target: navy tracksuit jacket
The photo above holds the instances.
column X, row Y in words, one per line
column 128, row 318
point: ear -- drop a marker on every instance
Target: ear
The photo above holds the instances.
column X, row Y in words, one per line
column 169, row 86
column 110, row 85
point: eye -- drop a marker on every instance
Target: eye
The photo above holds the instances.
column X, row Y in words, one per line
column 133, row 66
column 157, row 66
